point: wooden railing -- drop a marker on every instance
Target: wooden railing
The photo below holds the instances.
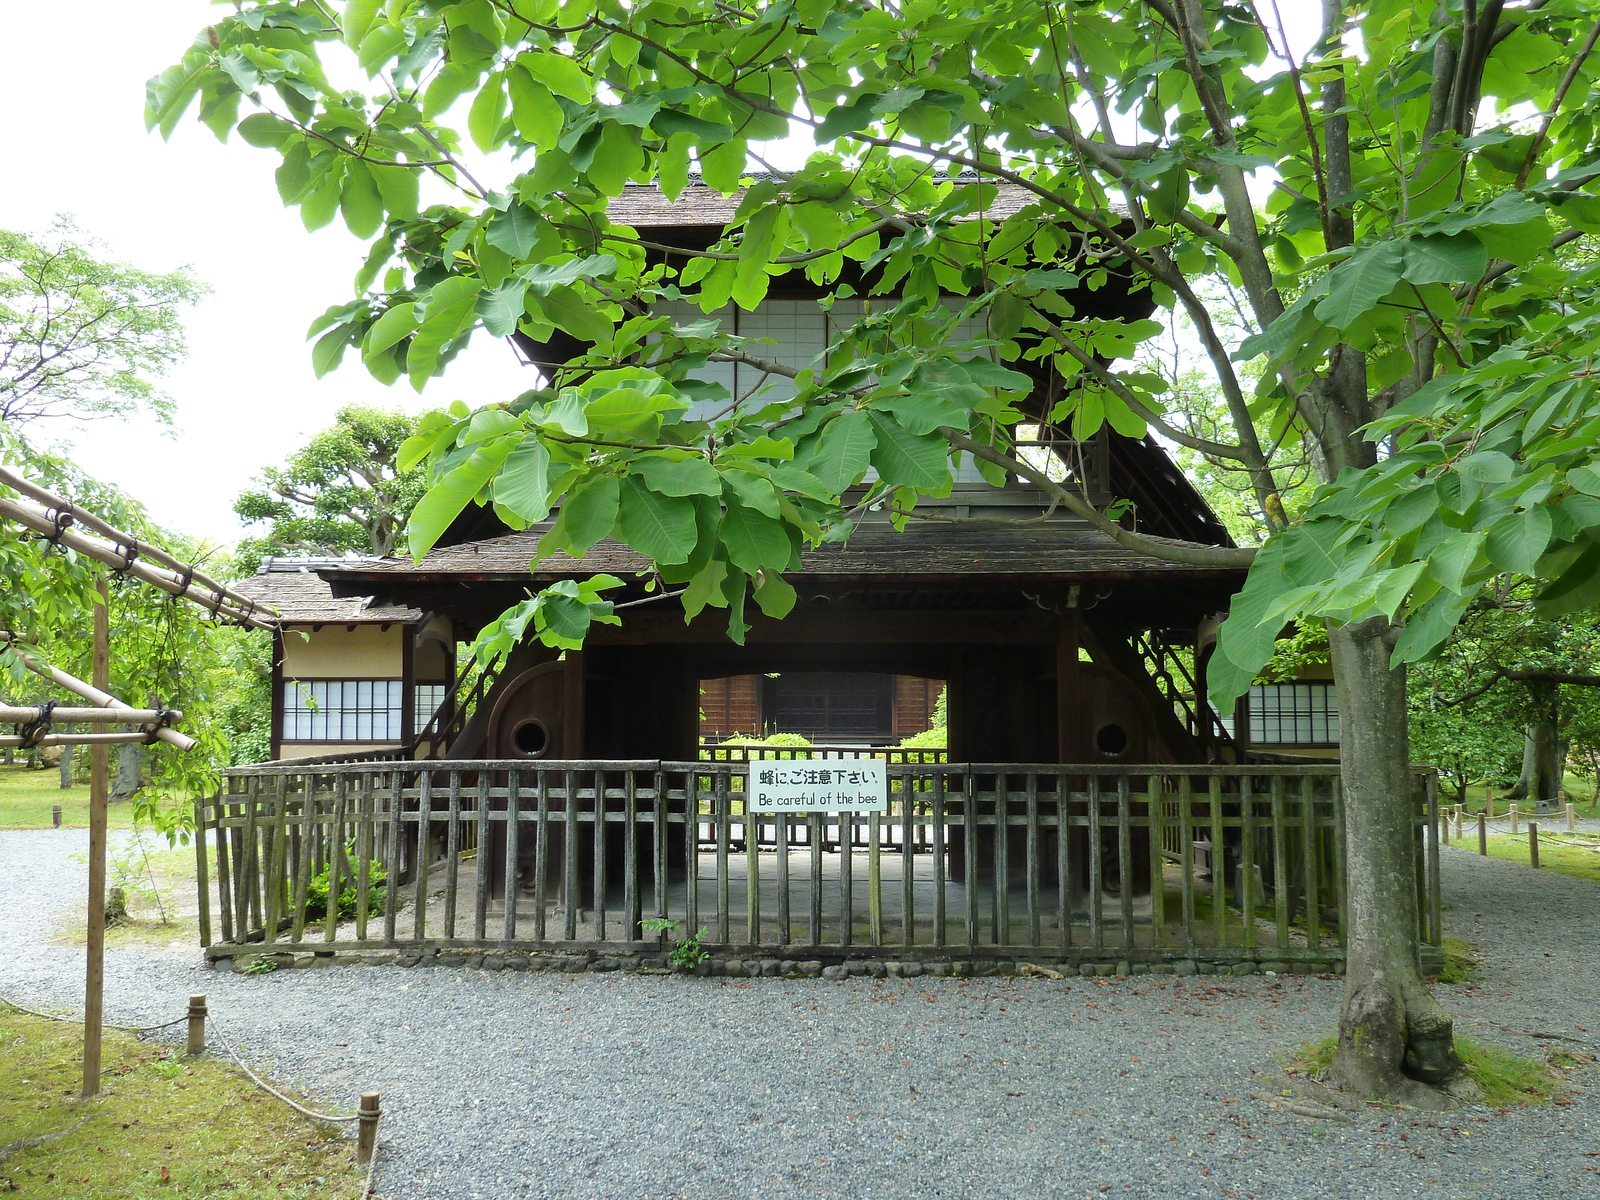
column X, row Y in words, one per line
column 731, row 752
column 1062, row 863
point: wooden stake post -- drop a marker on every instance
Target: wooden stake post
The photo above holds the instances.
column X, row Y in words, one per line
column 99, row 793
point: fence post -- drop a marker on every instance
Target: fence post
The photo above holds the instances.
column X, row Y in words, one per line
column 1444, row 826
column 367, row 1130
column 1533, row 844
column 1572, row 817
column 1483, row 834
column 1513, row 814
column 1460, row 821
column 1488, row 801
column 55, row 816
column 197, row 1025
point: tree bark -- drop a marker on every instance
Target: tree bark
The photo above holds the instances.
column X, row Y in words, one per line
column 66, row 763
column 130, row 760
column 1395, row 1041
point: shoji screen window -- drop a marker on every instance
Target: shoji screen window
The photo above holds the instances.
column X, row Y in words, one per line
column 1294, row 714
column 342, row 710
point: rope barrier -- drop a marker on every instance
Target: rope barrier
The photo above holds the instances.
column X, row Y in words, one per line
column 267, row 1087
column 74, row 1020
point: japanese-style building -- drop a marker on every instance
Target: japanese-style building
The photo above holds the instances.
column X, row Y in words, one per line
column 1069, row 665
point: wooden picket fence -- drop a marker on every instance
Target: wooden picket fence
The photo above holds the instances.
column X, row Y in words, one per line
column 1067, row 863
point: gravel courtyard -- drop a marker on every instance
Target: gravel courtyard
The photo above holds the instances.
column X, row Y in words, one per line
column 506, row 1085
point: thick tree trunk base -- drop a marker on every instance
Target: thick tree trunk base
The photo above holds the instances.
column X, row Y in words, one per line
column 1390, row 1055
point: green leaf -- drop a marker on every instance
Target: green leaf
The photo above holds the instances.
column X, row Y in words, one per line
column 908, row 459
column 1487, row 466
column 680, row 476
column 579, row 316
column 359, row 200
column 775, row 595
column 358, row 18
column 1445, row 258
column 515, row 231
column 559, row 73
column 1516, row 540
column 587, row 515
column 399, row 188
column 661, row 527
column 1356, row 285
column 843, row 450
column 754, row 541
column 447, row 497
column 544, row 277
column 488, row 113
column 396, row 323
column 1247, row 639
column 523, row 485
column 1576, row 589
column 534, row 110
column 502, row 309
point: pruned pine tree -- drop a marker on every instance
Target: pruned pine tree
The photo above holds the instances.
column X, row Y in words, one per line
column 340, row 493
column 1384, row 196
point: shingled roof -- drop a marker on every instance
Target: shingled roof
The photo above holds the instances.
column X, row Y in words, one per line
column 643, row 205
column 302, row 596
column 1063, row 552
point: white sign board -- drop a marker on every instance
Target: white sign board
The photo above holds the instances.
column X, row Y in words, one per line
column 817, row 785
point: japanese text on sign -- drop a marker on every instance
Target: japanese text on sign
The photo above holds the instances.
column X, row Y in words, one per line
column 817, row 785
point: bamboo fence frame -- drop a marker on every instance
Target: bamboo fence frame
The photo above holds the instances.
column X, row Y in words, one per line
column 52, row 517
column 918, row 881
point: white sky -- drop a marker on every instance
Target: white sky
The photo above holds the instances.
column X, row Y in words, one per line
column 72, row 86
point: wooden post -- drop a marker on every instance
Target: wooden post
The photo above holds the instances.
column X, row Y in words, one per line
column 1572, row 817
column 1483, row 834
column 367, row 1131
column 1444, row 827
column 1514, row 814
column 99, row 789
column 197, row 1025
column 1533, row 844
column 55, row 816
column 1461, row 817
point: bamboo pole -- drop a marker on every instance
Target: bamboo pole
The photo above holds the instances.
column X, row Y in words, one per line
column 99, row 790
column 221, row 601
column 18, row 715
column 97, row 695
column 49, row 500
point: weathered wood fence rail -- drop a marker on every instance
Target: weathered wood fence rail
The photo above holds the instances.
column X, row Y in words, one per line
column 1051, row 862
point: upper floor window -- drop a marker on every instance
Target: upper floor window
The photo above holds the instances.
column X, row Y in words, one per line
column 1294, row 714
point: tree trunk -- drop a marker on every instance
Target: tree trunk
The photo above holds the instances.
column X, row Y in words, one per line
column 1394, row 1038
column 130, row 760
column 66, row 762
column 1544, row 740
column 1530, row 765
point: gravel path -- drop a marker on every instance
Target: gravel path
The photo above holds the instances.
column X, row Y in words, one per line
column 502, row 1086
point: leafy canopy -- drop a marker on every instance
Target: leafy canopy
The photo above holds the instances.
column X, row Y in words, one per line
column 81, row 336
column 1398, row 279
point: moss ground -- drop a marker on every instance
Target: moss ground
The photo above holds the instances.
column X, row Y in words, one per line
column 1505, row 1080
column 162, row 1126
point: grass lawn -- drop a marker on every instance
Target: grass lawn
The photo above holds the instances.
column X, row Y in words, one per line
column 26, row 798
column 162, row 1126
column 1580, row 861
